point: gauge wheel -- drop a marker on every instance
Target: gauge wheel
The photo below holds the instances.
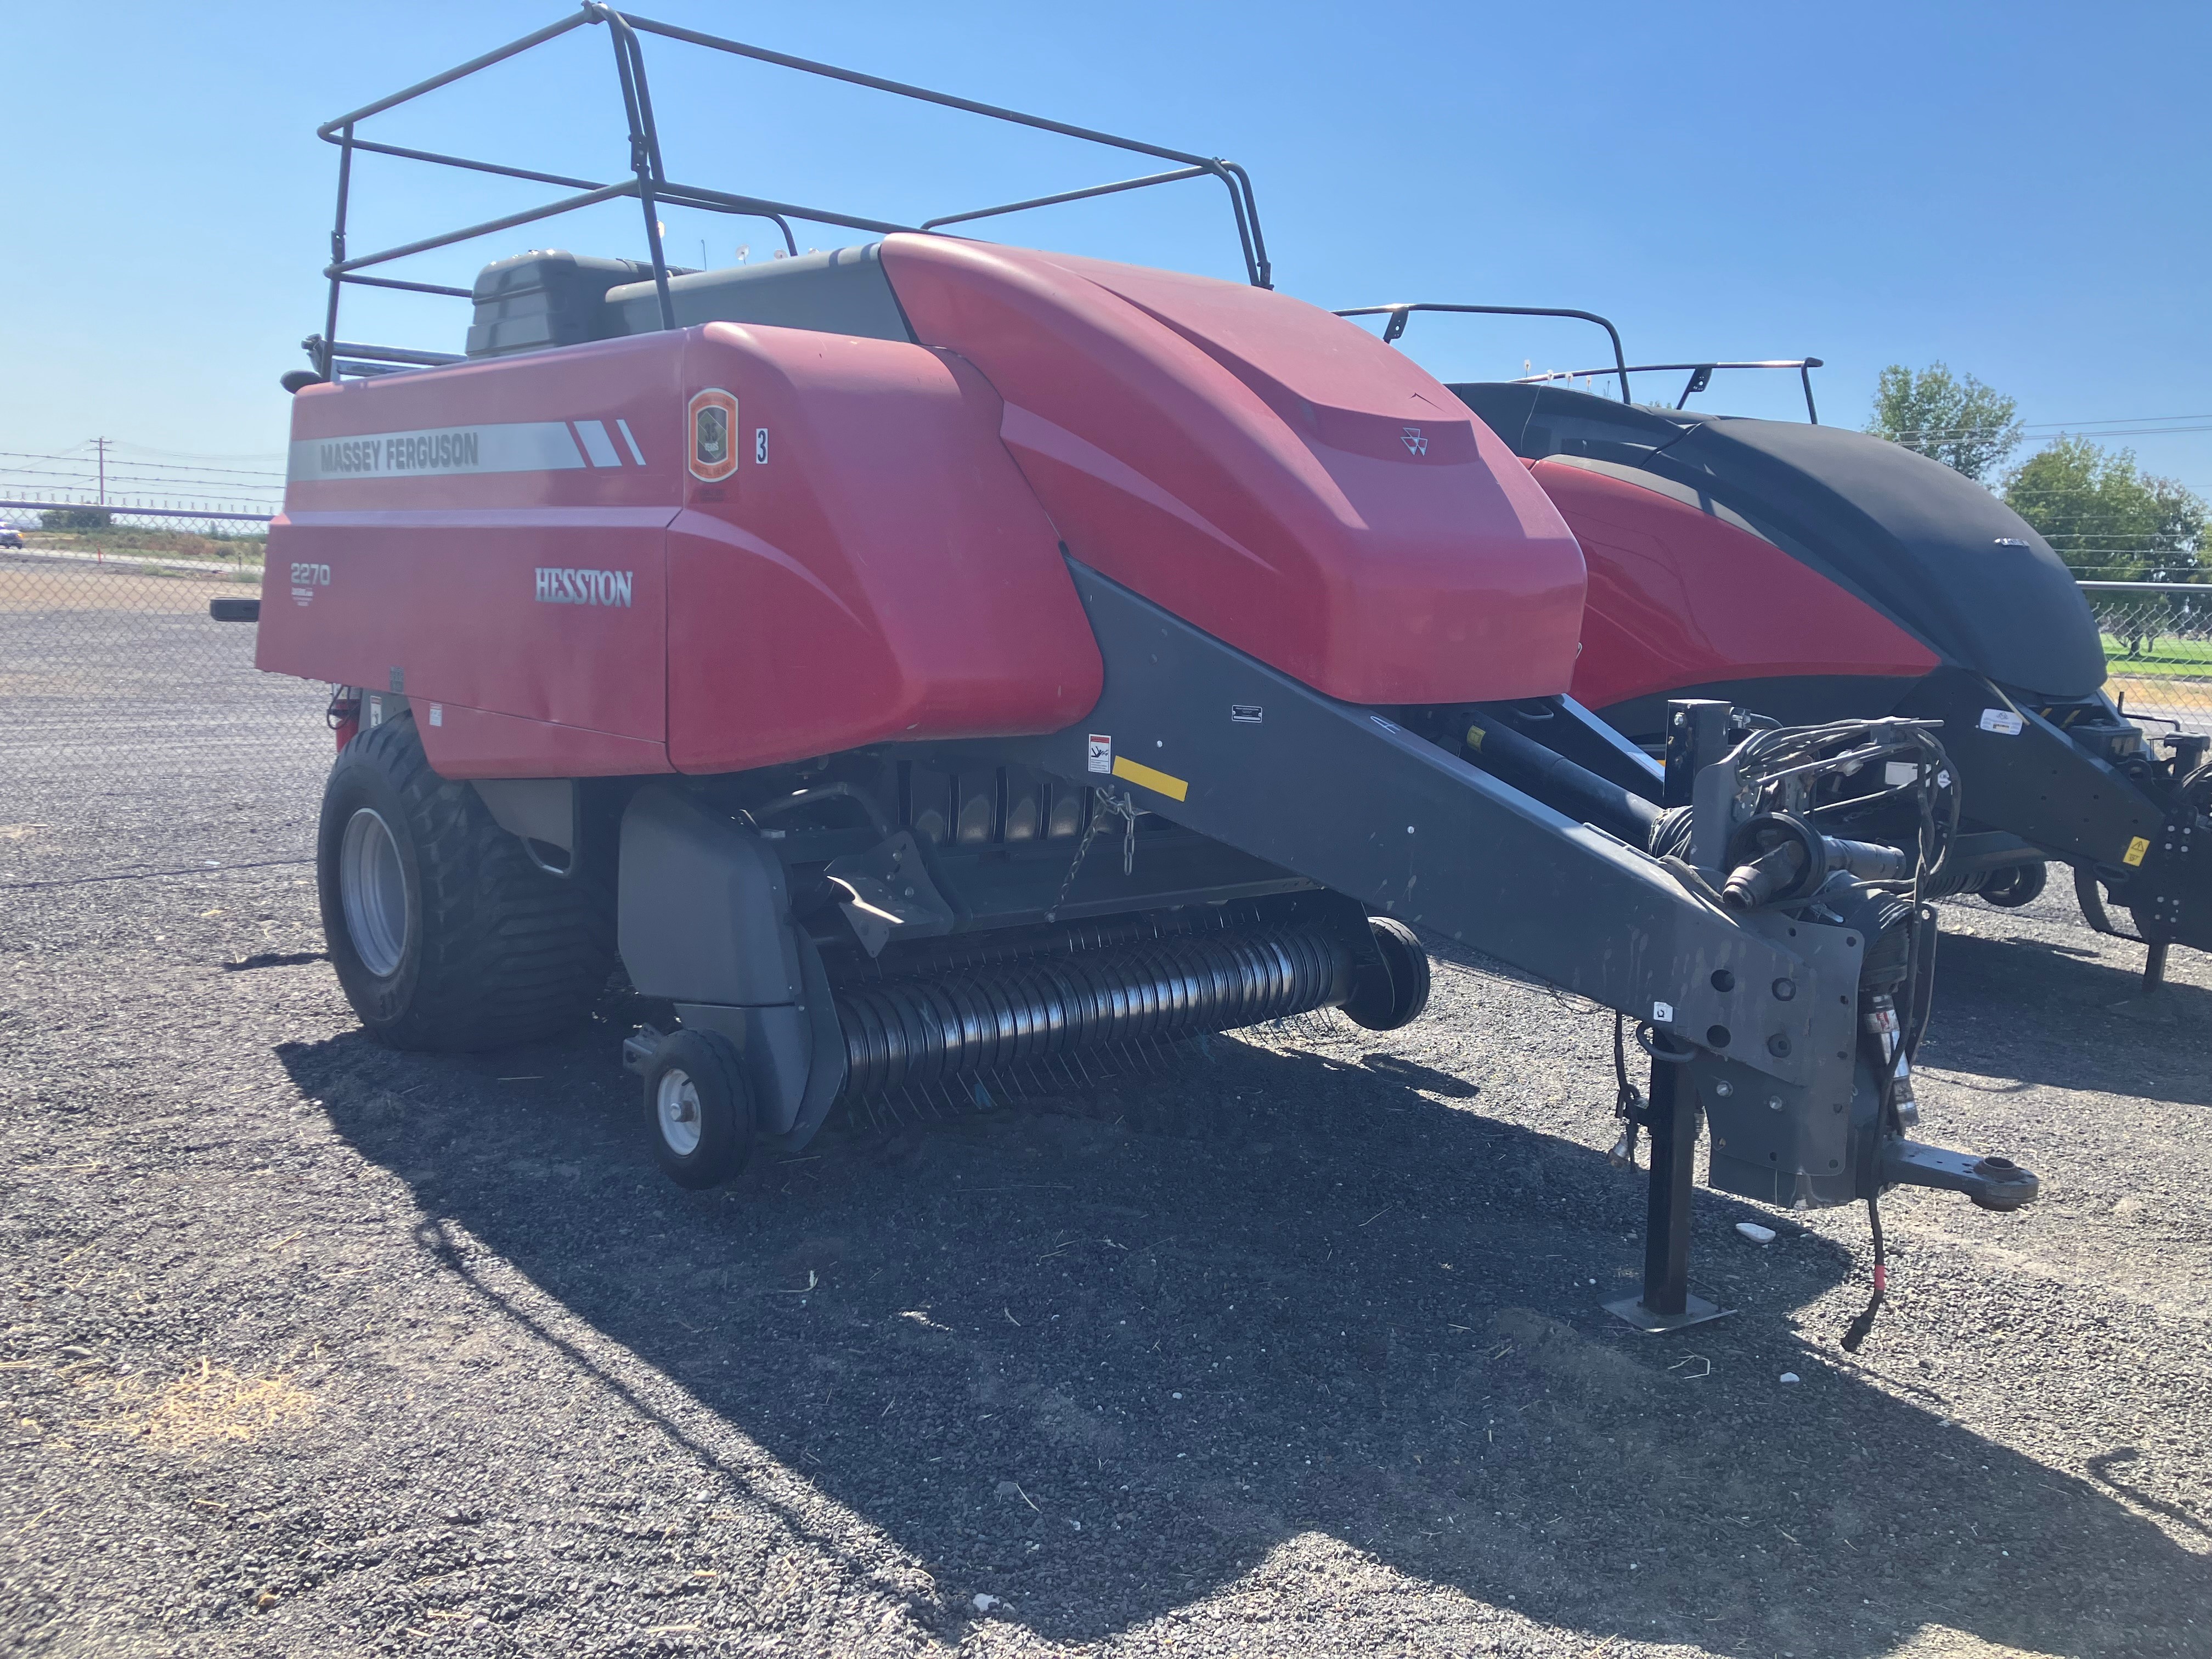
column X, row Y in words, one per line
column 698, row 1111
column 1392, row 990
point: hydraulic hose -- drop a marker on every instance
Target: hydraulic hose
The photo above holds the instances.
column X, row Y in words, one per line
column 1558, row 783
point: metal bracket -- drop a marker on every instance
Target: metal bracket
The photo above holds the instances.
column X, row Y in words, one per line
column 889, row 887
column 639, row 1048
column 1696, row 1310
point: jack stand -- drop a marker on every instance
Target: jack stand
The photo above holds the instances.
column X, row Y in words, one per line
column 1667, row 1303
column 2154, row 1001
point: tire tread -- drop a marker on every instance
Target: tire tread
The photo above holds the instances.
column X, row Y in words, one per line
column 509, row 954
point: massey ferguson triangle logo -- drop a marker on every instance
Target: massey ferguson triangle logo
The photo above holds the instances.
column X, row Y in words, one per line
column 1415, row 441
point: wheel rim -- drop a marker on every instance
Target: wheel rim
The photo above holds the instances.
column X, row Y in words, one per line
column 372, row 889
column 677, row 1101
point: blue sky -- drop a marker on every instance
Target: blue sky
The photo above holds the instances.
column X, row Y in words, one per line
column 2018, row 189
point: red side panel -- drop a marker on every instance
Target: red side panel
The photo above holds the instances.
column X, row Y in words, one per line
column 1679, row 597
column 469, row 743
column 884, row 573
column 421, row 509
column 1271, row 473
column 525, row 544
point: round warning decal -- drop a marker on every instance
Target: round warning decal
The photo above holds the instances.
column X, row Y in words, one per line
column 713, row 435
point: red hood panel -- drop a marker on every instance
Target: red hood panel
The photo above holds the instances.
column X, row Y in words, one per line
column 1268, row 472
column 1680, row 597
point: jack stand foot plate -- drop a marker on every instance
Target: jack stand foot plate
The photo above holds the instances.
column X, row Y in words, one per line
column 1696, row 1311
column 2157, row 1006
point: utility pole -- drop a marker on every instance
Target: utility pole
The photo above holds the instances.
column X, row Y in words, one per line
column 101, row 444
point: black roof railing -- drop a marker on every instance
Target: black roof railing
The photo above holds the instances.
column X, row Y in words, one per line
column 1400, row 314
column 1700, row 374
column 650, row 186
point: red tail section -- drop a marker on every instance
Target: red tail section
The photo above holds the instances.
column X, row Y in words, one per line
column 535, row 545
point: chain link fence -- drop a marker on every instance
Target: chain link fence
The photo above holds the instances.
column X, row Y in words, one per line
column 2158, row 649
column 135, row 734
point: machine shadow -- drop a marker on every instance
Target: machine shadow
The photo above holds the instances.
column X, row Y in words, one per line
column 1104, row 1353
column 2017, row 1007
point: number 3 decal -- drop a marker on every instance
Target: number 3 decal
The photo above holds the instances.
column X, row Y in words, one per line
column 760, row 446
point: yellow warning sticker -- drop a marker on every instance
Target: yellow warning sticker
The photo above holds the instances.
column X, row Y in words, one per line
column 2136, row 848
column 1160, row 783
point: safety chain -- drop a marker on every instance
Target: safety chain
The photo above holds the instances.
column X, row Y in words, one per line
column 1108, row 803
column 1627, row 1103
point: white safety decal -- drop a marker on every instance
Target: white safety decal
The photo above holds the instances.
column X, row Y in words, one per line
column 443, row 452
column 437, row 714
column 596, row 444
column 1662, row 1012
column 2003, row 720
column 1102, row 752
column 1247, row 714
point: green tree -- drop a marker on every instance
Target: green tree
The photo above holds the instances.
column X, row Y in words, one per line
column 2108, row 518
column 75, row 518
column 1960, row 423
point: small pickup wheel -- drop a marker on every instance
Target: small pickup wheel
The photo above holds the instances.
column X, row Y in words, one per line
column 698, row 1109
column 2020, row 884
column 1395, row 992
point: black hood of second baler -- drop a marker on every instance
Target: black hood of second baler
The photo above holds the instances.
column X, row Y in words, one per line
column 1932, row 550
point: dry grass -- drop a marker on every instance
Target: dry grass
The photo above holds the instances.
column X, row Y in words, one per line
column 26, row 585
column 124, row 541
column 211, row 1404
column 2188, row 701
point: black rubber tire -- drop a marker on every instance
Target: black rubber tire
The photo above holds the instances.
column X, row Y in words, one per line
column 496, row 951
column 1396, row 992
column 2020, row 883
column 710, row 1063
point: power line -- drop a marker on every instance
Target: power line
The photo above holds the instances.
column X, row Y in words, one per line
column 66, row 455
column 2116, row 426
column 125, row 472
column 242, row 455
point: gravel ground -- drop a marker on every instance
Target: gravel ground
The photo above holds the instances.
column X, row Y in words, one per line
column 135, row 734
column 317, row 1348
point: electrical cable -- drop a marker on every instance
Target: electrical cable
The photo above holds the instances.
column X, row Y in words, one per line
column 1863, row 1327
